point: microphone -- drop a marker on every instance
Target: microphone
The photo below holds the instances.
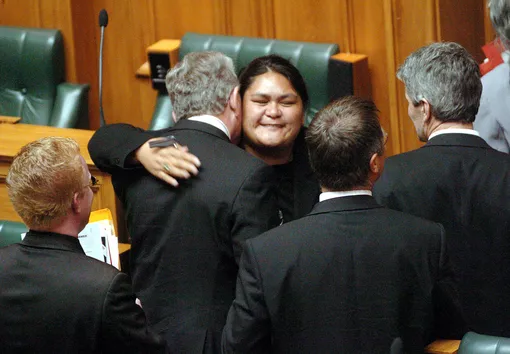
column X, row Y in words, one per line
column 103, row 22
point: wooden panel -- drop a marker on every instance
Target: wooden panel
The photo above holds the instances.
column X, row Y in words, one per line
column 253, row 18
column 308, row 20
column 174, row 18
column 468, row 29
column 373, row 35
column 23, row 13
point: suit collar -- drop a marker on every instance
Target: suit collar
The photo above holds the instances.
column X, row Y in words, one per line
column 357, row 202
column 52, row 240
column 466, row 140
column 185, row 124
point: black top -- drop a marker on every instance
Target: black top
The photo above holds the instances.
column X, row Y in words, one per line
column 285, row 191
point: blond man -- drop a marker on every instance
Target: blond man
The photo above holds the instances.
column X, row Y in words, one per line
column 54, row 298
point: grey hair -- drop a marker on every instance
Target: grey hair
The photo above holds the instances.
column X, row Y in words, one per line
column 448, row 77
column 500, row 18
column 201, row 84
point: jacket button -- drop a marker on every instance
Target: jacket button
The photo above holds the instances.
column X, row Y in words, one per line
column 116, row 160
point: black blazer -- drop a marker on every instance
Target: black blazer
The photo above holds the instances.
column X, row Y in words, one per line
column 459, row 181
column 306, row 185
column 186, row 241
column 348, row 278
column 54, row 299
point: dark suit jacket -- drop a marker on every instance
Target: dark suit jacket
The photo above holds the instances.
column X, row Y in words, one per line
column 306, row 185
column 186, row 241
column 54, row 299
column 348, row 278
column 459, row 181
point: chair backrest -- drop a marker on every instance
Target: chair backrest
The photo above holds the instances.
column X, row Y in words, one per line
column 10, row 232
column 474, row 343
column 32, row 65
column 311, row 59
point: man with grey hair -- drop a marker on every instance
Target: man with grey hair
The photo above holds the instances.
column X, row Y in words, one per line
column 186, row 242
column 493, row 119
column 456, row 179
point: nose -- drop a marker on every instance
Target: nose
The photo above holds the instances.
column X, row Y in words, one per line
column 273, row 110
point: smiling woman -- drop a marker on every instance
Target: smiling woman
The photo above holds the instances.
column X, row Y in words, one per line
column 274, row 99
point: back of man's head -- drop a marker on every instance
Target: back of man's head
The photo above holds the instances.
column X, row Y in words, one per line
column 201, row 84
column 500, row 18
column 448, row 77
column 43, row 179
column 341, row 140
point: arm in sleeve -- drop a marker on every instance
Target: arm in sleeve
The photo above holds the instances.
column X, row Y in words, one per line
column 449, row 321
column 124, row 327
column 255, row 210
column 112, row 146
column 247, row 329
column 492, row 118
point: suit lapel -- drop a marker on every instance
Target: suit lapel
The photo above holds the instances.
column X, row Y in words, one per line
column 357, row 202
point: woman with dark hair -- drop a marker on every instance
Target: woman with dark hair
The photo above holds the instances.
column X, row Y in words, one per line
column 274, row 99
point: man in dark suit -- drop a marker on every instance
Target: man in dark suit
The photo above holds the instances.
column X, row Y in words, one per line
column 352, row 276
column 456, row 179
column 186, row 241
column 53, row 298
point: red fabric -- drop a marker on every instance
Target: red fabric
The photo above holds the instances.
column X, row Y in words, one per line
column 492, row 52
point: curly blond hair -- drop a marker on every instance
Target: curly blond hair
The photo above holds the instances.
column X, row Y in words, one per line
column 43, row 178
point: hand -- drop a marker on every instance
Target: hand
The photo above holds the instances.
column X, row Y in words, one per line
column 168, row 163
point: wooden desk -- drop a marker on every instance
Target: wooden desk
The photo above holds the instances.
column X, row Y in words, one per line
column 14, row 136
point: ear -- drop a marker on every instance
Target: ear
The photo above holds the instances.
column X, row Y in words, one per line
column 426, row 110
column 376, row 164
column 174, row 117
column 234, row 101
column 76, row 203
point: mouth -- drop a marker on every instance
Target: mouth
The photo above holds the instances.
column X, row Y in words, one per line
column 272, row 125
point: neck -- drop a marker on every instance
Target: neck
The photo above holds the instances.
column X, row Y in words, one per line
column 437, row 125
column 271, row 156
column 62, row 226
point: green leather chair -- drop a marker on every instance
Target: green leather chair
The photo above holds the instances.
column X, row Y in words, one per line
column 10, row 232
column 325, row 79
column 474, row 343
column 32, row 83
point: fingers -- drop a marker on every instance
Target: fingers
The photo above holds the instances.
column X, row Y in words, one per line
column 168, row 179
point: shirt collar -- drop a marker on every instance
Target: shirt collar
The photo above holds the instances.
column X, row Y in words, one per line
column 329, row 195
column 454, row 131
column 212, row 120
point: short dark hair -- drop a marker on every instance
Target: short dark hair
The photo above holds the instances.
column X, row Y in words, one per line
column 341, row 139
column 277, row 64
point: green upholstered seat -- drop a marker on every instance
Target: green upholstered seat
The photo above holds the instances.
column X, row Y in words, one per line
column 10, row 232
column 324, row 80
column 32, row 86
column 474, row 343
